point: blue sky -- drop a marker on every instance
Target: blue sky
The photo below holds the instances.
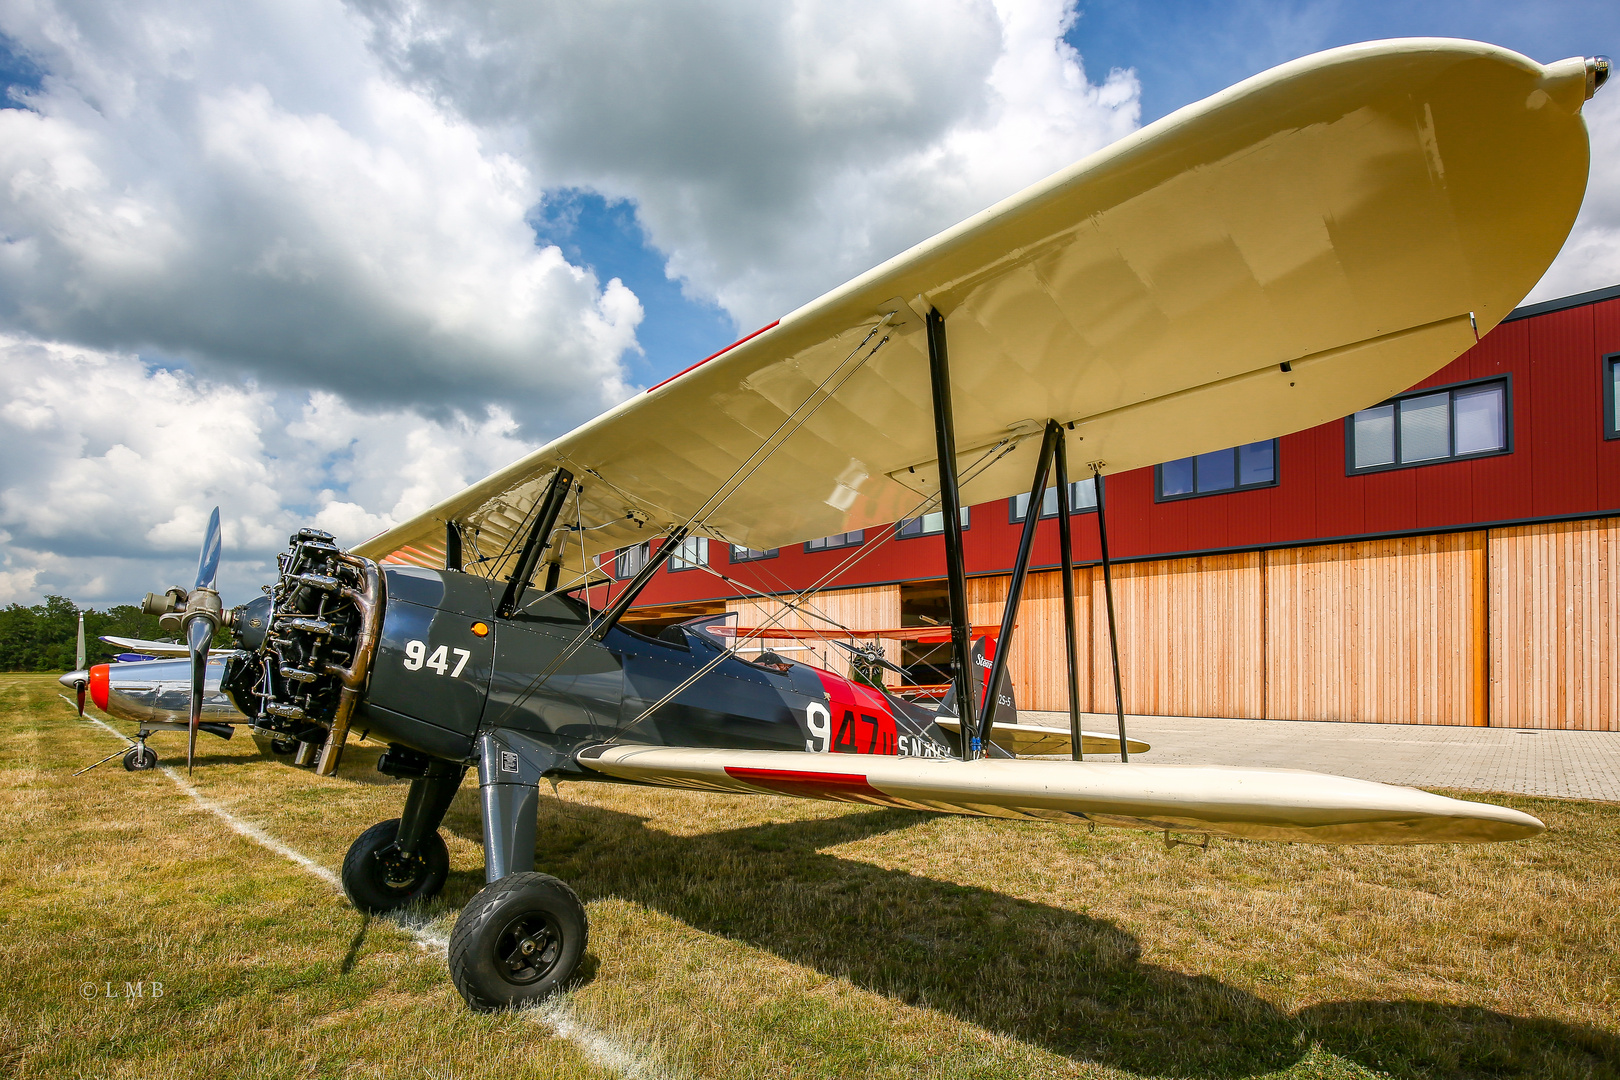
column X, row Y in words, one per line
column 591, row 230
column 1180, row 51
column 1184, row 51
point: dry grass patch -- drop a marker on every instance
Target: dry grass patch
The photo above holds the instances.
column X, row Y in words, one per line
column 760, row 937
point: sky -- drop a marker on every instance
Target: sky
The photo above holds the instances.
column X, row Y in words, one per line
column 326, row 263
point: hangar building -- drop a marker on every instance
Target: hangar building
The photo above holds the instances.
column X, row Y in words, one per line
column 1449, row 556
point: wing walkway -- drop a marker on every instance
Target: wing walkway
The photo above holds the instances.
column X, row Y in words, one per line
column 1564, row 764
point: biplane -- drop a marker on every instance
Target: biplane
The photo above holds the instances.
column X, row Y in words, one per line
column 1307, row 242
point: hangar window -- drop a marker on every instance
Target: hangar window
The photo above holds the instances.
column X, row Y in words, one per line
column 1240, row 468
column 627, row 562
column 837, row 540
column 1467, row 420
column 748, row 554
column 691, row 555
column 1082, row 498
column 926, row 525
column 1611, row 396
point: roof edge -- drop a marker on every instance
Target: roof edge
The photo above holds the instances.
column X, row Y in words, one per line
column 1545, row 306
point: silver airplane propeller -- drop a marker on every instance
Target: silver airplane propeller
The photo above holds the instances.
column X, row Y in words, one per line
column 81, row 684
column 203, row 615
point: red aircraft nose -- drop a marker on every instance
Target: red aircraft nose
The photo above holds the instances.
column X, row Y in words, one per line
column 98, row 686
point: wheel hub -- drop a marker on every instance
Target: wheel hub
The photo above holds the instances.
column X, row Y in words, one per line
column 399, row 870
column 528, row 948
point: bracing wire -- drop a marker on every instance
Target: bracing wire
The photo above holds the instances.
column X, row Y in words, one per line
column 791, row 423
column 855, row 558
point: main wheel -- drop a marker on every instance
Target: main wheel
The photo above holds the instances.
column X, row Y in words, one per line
column 140, row 758
column 378, row 877
column 517, row 941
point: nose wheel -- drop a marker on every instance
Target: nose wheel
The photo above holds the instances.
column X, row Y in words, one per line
column 379, row 877
column 140, row 757
column 517, row 941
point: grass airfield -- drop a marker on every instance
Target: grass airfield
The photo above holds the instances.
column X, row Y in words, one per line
column 764, row 937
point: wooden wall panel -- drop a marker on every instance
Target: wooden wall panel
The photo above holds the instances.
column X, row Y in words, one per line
column 1521, row 629
column 1190, row 637
column 1376, row 631
column 1555, row 626
column 873, row 608
column 1038, row 662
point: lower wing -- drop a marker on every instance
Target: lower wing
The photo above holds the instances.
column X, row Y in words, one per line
column 1255, row 804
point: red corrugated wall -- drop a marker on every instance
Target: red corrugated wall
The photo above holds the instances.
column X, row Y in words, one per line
column 1561, row 464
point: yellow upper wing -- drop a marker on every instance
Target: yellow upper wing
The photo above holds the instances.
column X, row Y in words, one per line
column 1360, row 215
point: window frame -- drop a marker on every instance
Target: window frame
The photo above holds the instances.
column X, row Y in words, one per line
column 1276, row 475
column 1505, row 379
column 1012, row 503
column 618, row 558
column 763, row 554
column 808, row 550
column 1611, row 362
column 670, row 564
column 921, row 533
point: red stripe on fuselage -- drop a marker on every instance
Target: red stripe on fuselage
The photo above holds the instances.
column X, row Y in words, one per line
column 861, row 720
column 808, row 785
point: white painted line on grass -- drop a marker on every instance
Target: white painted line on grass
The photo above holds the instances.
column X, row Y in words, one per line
column 598, row 1048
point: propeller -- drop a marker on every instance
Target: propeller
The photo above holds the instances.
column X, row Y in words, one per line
column 202, row 618
column 78, row 666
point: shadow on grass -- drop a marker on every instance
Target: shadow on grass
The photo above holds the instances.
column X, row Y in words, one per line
column 1046, row 976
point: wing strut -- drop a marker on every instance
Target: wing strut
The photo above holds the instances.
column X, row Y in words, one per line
column 539, row 538
column 1108, row 593
column 1015, row 587
column 452, row 546
column 615, row 610
column 950, row 504
column 1066, row 554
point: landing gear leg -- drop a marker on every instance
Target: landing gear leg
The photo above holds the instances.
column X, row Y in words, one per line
column 525, row 933
column 404, row 860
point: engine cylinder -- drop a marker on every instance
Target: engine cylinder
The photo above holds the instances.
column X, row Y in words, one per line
column 310, row 668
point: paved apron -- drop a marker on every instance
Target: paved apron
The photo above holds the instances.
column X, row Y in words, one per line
column 1565, row 764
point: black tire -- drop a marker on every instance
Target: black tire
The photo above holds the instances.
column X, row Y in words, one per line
column 517, row 941
column 140, row 758
column 377, row 879
column 284, row 747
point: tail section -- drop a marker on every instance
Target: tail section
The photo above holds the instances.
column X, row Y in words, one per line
column 1006, row 710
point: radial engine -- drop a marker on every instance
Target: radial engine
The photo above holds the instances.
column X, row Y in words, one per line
column 309, row 672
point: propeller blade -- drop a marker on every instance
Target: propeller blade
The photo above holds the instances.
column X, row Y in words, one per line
column 199, row 632
column 208, row 561
column 200, row 627
column 79, row 665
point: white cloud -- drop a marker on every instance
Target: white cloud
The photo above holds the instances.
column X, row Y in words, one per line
column 243, row 187
column 1591, row 256
column 276, row 256
column 773, row 151
column 108, row 469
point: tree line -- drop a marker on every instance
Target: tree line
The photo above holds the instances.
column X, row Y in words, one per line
column 44, row 637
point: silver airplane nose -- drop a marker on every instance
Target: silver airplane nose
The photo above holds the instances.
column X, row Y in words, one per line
column 75, row 679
